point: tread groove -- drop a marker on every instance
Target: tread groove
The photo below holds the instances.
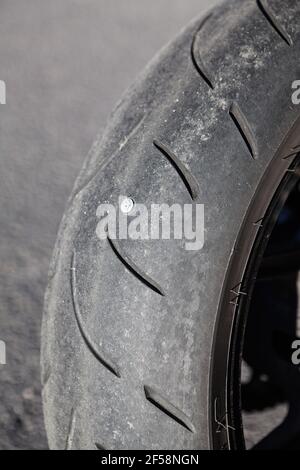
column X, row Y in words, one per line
column 166, row 407
column 88, row 341
column 133, row 268
column 271, row 18
column 46, row 378
column 104, row 163
column 196, row 57
column 244, row 128
column 188, row 179
column 70, row 437
column 99, row 446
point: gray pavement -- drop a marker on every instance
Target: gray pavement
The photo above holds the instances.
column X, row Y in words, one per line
column 65, row 63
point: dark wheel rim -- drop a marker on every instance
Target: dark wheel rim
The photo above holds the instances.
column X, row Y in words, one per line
column 247, row 263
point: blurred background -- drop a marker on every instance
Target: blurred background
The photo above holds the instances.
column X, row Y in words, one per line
column 65, row 64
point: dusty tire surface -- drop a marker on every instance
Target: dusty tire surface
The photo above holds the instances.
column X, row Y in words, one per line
column 128, row 328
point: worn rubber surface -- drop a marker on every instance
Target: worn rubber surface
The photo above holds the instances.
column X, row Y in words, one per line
column 128, row 327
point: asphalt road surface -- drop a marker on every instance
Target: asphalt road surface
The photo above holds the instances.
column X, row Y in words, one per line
column 65, row 64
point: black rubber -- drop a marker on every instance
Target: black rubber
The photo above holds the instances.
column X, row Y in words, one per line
column 129, row 332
